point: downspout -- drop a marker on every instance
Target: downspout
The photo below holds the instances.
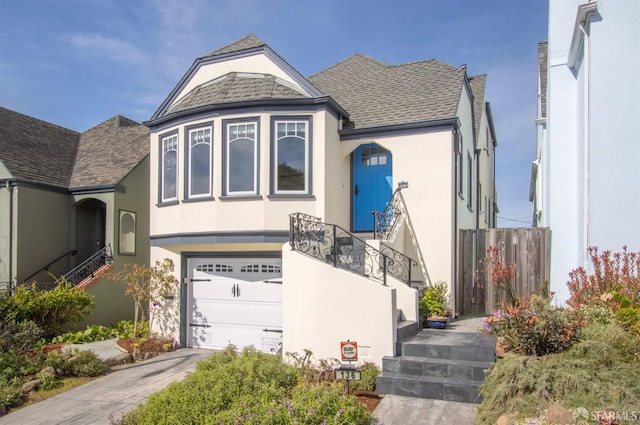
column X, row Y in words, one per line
column 10, row 189
column 585, row 152
column 454, row 249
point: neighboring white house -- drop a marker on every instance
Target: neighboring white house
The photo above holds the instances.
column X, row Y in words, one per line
column 585, row 177
column 263, row 184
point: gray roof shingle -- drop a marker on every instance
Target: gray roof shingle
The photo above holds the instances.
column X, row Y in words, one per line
column 248, row 42
column 236, row 87
column 377, row 94
column 108, row 152
column 478, row 85
column 36, row 151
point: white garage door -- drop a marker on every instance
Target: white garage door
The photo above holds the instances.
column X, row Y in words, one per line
column 235, row 301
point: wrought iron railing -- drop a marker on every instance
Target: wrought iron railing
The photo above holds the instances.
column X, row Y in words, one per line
column 90, row 265
column 334, row 245
column 386, row 223
column 45, row 268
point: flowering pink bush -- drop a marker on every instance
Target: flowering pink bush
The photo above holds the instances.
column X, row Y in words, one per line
column 615, row 280
column 535, row 327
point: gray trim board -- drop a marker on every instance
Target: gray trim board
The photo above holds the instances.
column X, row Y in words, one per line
column 249, row 106
column 400, row 130
column 274, row 236
column 97, row 189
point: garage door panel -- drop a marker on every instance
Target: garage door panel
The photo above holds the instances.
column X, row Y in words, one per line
column 258, row 314
column 236, row 301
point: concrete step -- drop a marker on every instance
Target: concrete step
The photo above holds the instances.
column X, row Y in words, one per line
column 407, row 329
column 441, row 344
column 432, row 387
column 443, row 368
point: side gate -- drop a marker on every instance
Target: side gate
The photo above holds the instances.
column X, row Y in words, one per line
column 526, row 249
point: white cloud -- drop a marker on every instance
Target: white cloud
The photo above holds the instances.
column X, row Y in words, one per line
column 111, row 48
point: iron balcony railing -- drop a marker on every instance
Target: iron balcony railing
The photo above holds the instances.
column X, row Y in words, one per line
column 386, row 223
column 334, row 245
column 90, row 265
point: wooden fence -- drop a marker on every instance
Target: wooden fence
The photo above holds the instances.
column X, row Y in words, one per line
column 526, row 250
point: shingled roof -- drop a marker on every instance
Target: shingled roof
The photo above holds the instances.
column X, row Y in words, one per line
column 377, row 94
column 236, row 87
column 36, row 151
column 248, row 42
column 478, row 85
column 108, row 152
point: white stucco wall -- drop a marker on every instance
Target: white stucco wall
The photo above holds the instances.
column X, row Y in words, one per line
column 603, row 114
column 323, row 305
column 240, row 214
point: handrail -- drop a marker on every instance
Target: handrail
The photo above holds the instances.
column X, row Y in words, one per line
column 332, row 244
column 387, row 223
column 90, row 265
column 72, row 252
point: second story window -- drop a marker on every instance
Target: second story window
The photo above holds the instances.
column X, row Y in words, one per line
column 460, row 166
column 199, row 162
column 291, row 154
column 241, row 158
column 169, row 168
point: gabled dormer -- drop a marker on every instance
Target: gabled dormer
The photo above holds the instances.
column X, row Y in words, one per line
column 244, row 71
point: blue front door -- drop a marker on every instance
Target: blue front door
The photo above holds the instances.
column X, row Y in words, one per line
column 372, row 184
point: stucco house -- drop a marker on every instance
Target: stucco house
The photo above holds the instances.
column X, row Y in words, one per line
column 263, row 183
column 73, row 204
column 584, row 184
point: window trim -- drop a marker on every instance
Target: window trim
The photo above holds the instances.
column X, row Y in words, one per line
column 225, row 159
column 187, row 162
column 308, row 191
column 161, row 139
column 121, row 246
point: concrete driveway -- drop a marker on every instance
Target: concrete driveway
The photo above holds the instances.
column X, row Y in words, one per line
column 112, row 395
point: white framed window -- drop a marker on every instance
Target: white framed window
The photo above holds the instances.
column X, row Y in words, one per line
column 241, row 158
column 199, row 162
column 168, row 168
column 291, row 156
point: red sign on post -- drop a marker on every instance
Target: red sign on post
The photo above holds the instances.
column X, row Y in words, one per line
column 349, row 351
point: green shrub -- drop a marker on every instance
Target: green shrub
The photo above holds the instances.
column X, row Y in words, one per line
column 599, row 372
column 124, row 329
column 248, row 388
column 48, row 381
column 55, row 360
column 54, row 311
column 11, row 396
column 85, row 363
column 90, row 334
column 370, row 371
column 18, row 336
column 434, row 300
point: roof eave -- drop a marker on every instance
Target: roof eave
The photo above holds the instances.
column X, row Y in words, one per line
column 351, row 133
column 584, row 12
column 332, row 104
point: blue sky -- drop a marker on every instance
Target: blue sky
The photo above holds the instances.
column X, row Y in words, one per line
column 76, row 63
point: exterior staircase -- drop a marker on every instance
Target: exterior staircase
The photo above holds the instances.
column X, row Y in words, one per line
column 447, row 364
